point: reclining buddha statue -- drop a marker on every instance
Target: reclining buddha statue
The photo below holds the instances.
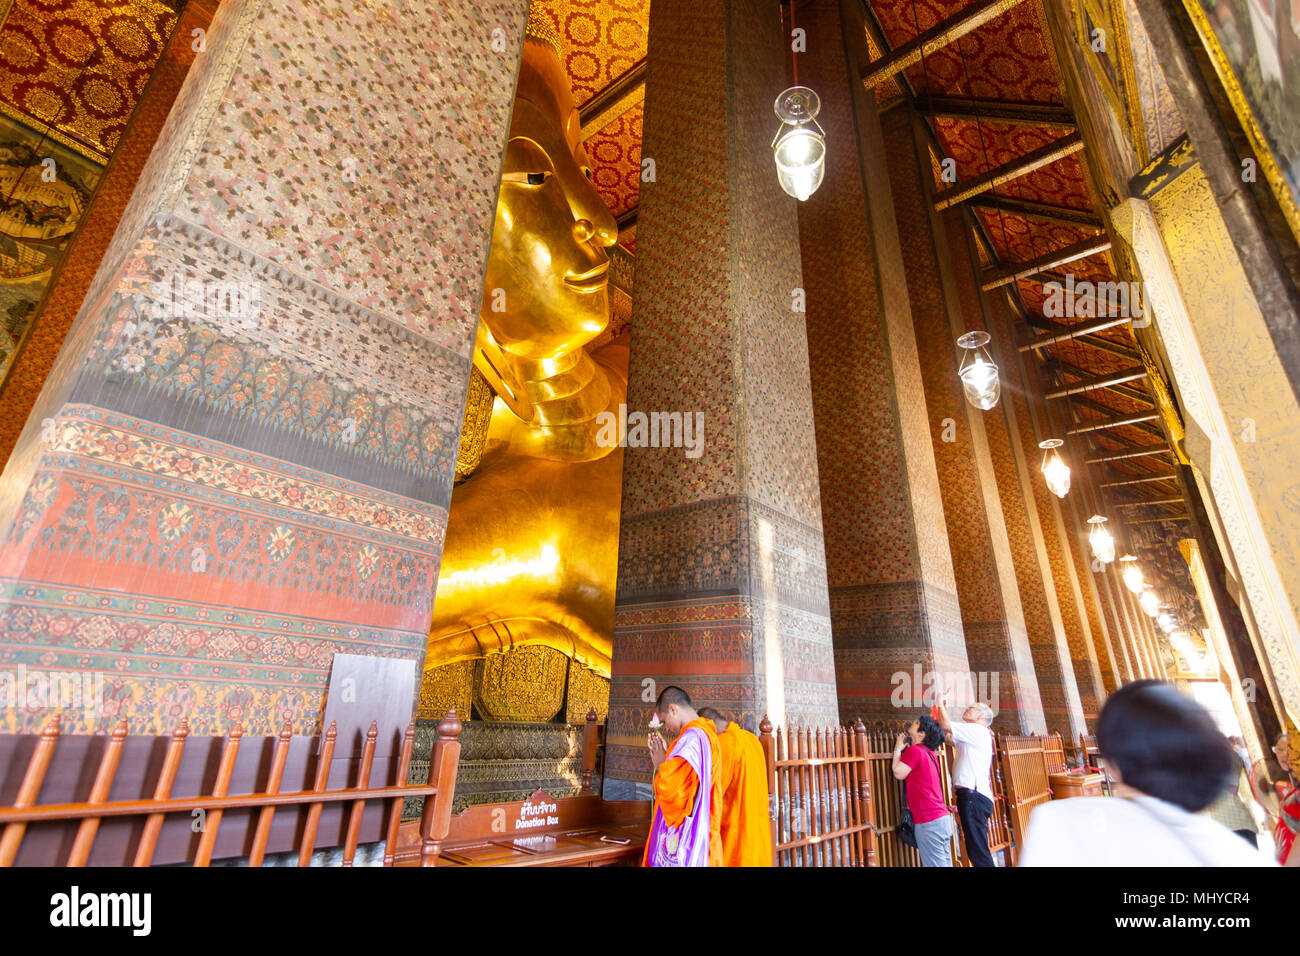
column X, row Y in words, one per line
column 532, row 538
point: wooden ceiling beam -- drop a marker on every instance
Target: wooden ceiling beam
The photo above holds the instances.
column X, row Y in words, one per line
column 1144, row 480
column 1035, row 159
column 937, row 37
column 624, row 94
column 1048, row 260
column 1092, row 383
column 1042, row 210
column 1116, row 422
column 1018, row 114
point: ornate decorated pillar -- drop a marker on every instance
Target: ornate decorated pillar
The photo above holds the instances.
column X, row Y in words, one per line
column 1025, row 498
column 893, row 594
column 241, row 462
column 1034, row 427
column 945, row 303
column 722, row 574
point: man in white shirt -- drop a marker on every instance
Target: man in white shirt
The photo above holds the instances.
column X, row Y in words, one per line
column 973, row 741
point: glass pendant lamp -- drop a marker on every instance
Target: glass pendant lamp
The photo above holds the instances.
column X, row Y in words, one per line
column 1132, row 574
column 799, row 146
column 1055, row 471
column 1100, row 540
column 1150, row 602
column 978, row 371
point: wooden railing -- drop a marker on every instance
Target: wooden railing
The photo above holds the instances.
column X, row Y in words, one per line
column 1089, row 749
column 1024, row 775
column 209, row 809
column 1054, row 754
column 820, row 787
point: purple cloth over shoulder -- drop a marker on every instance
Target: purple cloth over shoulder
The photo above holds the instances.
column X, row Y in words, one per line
column 688, row 844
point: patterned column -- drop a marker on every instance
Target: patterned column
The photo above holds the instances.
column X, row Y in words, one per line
column 945, row 303
column 722, row 574
column 86, row 249
column 1024, row 498
column 241, row 462
column 894, row 610
column 1061, row 558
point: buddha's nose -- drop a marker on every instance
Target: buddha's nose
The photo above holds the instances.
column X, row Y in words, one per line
column 583, row 230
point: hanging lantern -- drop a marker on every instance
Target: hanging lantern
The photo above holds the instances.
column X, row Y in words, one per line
column 978, row 371
column 1103, row 545
column 1055, row 471
column 1150, row 602
column 799, row 146
column 1168, row 623
column 1132, row 574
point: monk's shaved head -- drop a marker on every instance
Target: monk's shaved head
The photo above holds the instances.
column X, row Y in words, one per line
column 675, row 708
column 672, row 694
column 708, row 713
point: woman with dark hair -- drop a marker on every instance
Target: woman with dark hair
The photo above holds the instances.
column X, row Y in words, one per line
column 1167, row 761
column 917, row 763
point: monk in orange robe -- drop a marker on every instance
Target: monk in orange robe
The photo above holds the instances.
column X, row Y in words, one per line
column 685, row 820
column 746, row 820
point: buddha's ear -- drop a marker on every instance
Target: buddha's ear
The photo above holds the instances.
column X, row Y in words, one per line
column 495, row 366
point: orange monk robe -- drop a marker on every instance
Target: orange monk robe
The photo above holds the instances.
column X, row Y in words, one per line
column 675, row 786
column 746, row 825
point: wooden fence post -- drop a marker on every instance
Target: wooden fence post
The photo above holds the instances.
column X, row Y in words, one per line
column 395, row 809
column 769, row 758
column 166, row 780
column 868, row 805
column 442, row 774
column 264, row 818
column 212, row 820
column 589, row 736
column 99, row 791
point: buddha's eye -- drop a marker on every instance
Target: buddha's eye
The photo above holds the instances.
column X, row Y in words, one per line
column 536, row 179
column 587, row 170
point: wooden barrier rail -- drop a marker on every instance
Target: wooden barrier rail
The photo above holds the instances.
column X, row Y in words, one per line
column 1054, row 754
column 820, row 791
column 438, row 791
column 1024, row 774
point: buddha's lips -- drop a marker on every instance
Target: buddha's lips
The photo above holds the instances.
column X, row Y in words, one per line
column 593, row 280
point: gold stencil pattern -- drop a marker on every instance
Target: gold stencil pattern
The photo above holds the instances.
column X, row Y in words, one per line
column 446, row 687
column 77, row 67
column 587, row 689
column 474, row 428
column 526, row 683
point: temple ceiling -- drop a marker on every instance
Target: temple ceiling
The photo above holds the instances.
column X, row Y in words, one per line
column 74, row 69
column 604, row 44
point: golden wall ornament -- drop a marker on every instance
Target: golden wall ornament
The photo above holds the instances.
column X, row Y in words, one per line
column 587, row 691
column 530, row 554
column 525, row 684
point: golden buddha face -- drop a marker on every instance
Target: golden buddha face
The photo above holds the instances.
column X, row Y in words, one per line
column 547, row 277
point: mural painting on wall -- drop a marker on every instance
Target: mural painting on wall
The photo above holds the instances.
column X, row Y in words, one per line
column 46, row 188
column 1255, row 47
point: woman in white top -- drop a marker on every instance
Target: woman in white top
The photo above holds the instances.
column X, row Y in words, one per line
column 1167, row 760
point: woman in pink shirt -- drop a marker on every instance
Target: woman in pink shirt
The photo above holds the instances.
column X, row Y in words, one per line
column 918, row 766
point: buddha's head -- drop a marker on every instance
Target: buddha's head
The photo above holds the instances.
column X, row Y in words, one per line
column 546, row 292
